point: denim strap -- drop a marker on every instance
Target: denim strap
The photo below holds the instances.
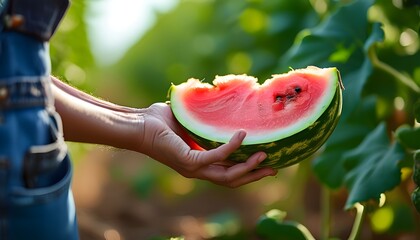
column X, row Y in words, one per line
column 38, row 18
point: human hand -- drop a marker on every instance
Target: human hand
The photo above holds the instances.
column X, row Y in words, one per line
column 165, row 141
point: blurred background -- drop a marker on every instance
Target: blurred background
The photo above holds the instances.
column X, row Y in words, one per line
column 130, row 51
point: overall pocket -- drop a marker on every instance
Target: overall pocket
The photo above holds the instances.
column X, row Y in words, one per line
column 44, row 207
column 43, row 165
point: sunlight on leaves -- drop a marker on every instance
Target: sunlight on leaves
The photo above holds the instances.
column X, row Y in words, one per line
column 253, row 20
column 382, row 219
column 342, row 54
column 376, row 14
column 320, row 6
column 239, row 63
column 409, row 39
column 276, row 214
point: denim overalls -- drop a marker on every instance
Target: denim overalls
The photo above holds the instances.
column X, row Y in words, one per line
column 35, row 170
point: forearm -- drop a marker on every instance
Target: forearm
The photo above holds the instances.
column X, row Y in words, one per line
column 91, row 120
column 153, row 131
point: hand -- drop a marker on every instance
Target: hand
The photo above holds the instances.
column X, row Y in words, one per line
column 163, row 142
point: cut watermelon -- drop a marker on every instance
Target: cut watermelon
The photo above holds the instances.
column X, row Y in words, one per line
column 289, row 116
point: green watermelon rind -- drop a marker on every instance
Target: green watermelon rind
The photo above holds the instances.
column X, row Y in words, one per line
column 287, row 151
column 216, row 134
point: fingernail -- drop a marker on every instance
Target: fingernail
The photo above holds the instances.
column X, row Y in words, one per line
column 241, row 135
column 262, row 157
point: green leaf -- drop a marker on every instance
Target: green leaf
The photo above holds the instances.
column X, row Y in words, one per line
column 329, row 165
column 272, row 226
column 341, row 43
column 408, row 136
column 372, row 168
column 342, row 54
column 323, row 45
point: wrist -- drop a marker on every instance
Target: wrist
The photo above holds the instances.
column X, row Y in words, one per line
column 126, row 130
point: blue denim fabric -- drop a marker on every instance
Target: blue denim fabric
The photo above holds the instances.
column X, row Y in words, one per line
column 35, row 170
column 41, row 17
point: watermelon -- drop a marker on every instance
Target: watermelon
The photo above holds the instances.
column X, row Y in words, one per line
column 289, row 116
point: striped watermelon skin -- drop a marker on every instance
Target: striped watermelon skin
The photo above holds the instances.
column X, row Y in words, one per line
column 285, row 151
column 290, row 150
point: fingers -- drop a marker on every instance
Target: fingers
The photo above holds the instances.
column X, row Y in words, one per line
column 250, row 177
column 209, row 165
column 239, row 174
column 218, row 154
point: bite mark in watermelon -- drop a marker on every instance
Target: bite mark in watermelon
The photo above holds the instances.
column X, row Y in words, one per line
column 289, row 116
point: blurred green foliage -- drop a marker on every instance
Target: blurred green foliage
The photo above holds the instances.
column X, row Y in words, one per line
column 374, row 44
column 202, row 39
column 71, row 57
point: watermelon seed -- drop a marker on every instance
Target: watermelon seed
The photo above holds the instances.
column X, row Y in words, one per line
column 298, row 89
column 278, row 98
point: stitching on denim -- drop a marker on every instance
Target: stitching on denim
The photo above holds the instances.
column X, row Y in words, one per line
column 26, row 91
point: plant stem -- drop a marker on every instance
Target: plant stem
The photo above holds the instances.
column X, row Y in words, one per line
column 392, row 71
column 296, row 197
column 357, row 221
column 326, row 212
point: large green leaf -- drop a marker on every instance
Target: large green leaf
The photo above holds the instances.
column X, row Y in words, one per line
column 348, row 134
column 341, row 43
column 372, row 168
column 344, row 44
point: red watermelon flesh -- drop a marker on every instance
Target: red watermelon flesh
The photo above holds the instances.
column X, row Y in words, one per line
column 242, row 103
